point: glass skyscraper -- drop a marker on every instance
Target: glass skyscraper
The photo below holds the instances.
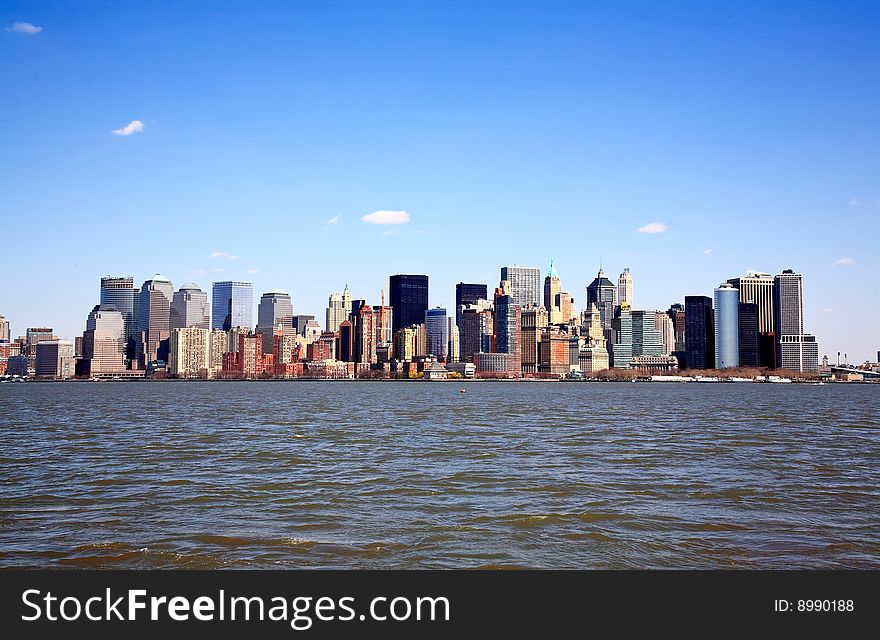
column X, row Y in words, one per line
column 119, row 292
column 525, row 284
column 699, row 332
column 726, row 326
column 232, row 305
column 466, row 294
column 409, row 300
column 436, row 336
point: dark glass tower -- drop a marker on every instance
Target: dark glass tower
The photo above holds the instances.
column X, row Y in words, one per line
column 409, row 300
column 468, row 294
column 699, row 332
column 748, row 334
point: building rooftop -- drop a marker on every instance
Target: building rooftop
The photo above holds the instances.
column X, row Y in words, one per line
column 190, row 286
column 160, row 278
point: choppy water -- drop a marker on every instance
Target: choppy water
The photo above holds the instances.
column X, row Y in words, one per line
column 418, row 475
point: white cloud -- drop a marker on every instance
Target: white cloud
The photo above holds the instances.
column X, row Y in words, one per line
column 134, row 126
column 387, row 217
column 223, row 254
column 708, row 251
column 333, row 220
column 24, row 27
column 846, row 261
column 827, row 310
column 218, row 269
column 854, row 202
column 252, row 271
column 654, row 227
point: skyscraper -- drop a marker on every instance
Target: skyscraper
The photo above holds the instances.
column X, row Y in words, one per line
column 625, row 288
column 749, row 344
column 338, row 309
column 4, row 329
column 55, row 359
column 726, row 326
column 602, row 293
column 552, row 289
column 665, row 326
column 699, row 332
column 758, row 288
column 796, row 350
column 635, row 335
column 274, row 311
column 508, row 325
column 189, row 308
column 365, row 335
column 154, row 317
column 525, row 284
column 466, row 294
column 120, row 293
column 409, row 300
column 436, row 332
column 477, row 327
column 103, row 344
column 232, row 305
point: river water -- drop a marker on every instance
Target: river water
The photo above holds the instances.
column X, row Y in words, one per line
column 419, row 475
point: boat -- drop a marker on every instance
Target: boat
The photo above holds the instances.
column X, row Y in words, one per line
column 735, row 379
column 706, row 379
column 778, row 379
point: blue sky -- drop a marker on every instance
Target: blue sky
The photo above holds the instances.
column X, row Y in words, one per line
column 510, row 133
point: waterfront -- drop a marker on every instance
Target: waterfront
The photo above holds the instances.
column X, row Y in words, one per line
column 418, row 475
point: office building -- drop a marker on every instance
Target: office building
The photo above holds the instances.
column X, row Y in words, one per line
column 602, row 293
column 190, row 354
column 436, row 333
column 758, row 288
column 477, row 330
column 663, row 323
column 365, row 336
column 552, row 290
column 799, row 353
column 232, row 305
column 554, row 352
column 635, row 334
column 55, row 359
column 154, row 321
column 119, row 292
column 409, row 300
column 795, row 350
column 338, row 309
column 532, row 321
column 467, row 294
column 453, row 351
column 749, row 342
column 103, row 342
column 699, row 332
column 726, row 326
column 525, row 284
column 625, row 288
column 4, row 329
column 35, row 335
column 189, row 308
column 274, row 314
column 508, row 325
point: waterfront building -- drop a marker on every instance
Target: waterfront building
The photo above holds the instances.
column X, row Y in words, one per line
column 699, row 332
column 749, row 344
column 232, row 305
column 436, row 333
column 218, row 344
column 663, row 324
column 103, row 344
column 501, row 364
column 4, row 329
column 345, row 342
column 154, row 321
column 250, row 359
column 468, row 294
column 554, row 352
column 592, row 357
column 189, row 308
column 276, row 308
column 532, row 320
column 190, row 352
column 635, row 334
column 625, row 288
column 119, row 292
column 35, row 335
column 726, row 326
column 406, row 343
column 796, row 351
column 525, row 284
column 408, row 296
column 477, row 329
column 365, row 336
column 54, row 359
column 452, row 353
column 654, row 364
column 508, row 326
column 338, row 309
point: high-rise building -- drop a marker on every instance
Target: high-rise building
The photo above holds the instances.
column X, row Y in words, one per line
column 758, row 288
column 625, row 288
column 189, row 308
column 508, row 327
column 663, row 323
column 677, row 315
column 749, row 343
column 35, row 335
column 232, row 305
column 409, row 300
column 103, row 344
column 796, row 351
column 699, row 332
column 436, row 333
column 477, row 328
column 726, row 326
column 466, row 294
column 554, row 352
column 602, row 293
column 552, row 290
column 274, row 311
column 154, row 321
column 55, row 359
column 119, row 292
column 453, row 352
column 190, row 353
column 345, row 344
column 338, row 309
column 4, row 329
column 635, row 335
column 525, row 284
column 533, row 320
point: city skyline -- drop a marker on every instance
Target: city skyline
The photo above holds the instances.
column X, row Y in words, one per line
column 441, row 139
